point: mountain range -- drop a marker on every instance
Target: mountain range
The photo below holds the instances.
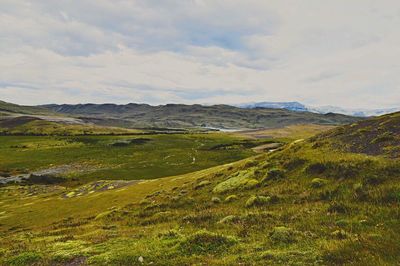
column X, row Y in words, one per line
column 194, row 116
column 299, row 107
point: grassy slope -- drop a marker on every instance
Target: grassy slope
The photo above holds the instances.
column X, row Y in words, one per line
column 376, row 136
column 305, row 204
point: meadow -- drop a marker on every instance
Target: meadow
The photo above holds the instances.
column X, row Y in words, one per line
column 300, row 205
column 309, row 202
column 129, row 157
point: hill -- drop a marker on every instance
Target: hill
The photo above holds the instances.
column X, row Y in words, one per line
column 375, row 136
column 45, row 125
column 306, row 203
column 21, row 109
column 194, row 116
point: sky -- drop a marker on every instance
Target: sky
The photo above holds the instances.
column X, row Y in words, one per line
column 343, row 53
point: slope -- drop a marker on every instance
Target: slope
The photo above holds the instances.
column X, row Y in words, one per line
column 375, row 136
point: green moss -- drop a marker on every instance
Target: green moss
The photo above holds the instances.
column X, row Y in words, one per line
column 255, row 201
column 231, row 198
column 240, row 181
column 65, row 251
column 282, row 235
column 205, row 242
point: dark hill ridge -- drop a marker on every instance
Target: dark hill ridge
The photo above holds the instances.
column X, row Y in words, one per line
column 190, row 116
column 374, row 136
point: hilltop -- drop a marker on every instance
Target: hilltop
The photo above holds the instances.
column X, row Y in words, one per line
column 194, row 116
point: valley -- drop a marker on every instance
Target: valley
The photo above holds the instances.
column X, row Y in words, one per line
column 298, row 194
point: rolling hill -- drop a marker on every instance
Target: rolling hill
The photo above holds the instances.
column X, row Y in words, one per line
column 194, row 116
column 310, row 202
column 6, row 107
column 375, row 136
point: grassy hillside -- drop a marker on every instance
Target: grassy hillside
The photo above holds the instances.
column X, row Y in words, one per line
column 304, row 204
column 21, row 109
column 29, row 125
column 184, row 116
column 376, row 136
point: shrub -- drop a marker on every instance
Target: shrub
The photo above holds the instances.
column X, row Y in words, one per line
column 26, row 258
column 231, row 198
column 205, row 242
column 257, row 201
column 318, row 182
column 282, row 235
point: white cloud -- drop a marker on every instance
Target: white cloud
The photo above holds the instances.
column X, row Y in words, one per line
column 323, row 53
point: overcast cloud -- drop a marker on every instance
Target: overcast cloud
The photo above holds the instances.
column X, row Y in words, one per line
column 342, row 52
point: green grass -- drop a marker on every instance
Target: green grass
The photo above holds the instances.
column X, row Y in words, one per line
column 121, row 157
column 49, row 128
column 311, row 205
column 352, row 219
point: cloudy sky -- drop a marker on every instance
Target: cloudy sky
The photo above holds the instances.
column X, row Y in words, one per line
column 342, row 52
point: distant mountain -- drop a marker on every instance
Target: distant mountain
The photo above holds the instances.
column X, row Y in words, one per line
column 299, row 107
column 353, row 112
column 194, row 116
column 293, row 106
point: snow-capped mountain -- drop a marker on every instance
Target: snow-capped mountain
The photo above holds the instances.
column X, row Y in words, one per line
column 293, row 106
column 299, row 107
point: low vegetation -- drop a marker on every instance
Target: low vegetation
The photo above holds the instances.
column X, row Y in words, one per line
column 308, row 203
column 80, row 159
